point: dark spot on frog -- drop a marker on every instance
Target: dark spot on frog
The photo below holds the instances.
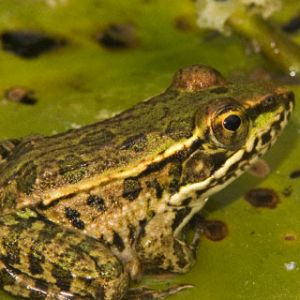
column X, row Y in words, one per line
column 136, row 142
column 118, row 242
column 174, row 174
column 153, row 267
column 141, row 229
column 37, row 295
column 179, row 216
column 132, row 233
column 4, row 152
column 217, row 160
column 49, row 232
column 7, row 276
column 29, row 44
column 292, row 25
column 96, row 202
column 74, row 216
column 214, row 230
column 13, row 252
column 63, row 277
column 266, row 137
column 175, row 169
column 41, row 285
column 118, row 36
column 262, row 197
column 178, row 251
column 20, row 94
column 155, row 185
column 295, row 174
column 187, row 201
column 287, row 191
column 131, row 188
column 27, row 177
column 174, row 185
column 35, row 262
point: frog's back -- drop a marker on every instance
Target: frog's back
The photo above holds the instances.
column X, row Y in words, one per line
column 130, row 139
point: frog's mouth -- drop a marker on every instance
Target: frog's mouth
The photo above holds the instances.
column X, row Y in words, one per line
column 257, row 145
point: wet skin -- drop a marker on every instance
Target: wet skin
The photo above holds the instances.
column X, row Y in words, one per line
column 87, row 211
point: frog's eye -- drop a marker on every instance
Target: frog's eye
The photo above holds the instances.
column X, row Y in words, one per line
column 232, row 122
column 230, row 126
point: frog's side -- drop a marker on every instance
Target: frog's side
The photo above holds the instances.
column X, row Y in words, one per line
column 111, row 199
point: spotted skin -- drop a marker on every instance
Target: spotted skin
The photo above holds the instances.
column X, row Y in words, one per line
column 46, row 259
column 86, row 212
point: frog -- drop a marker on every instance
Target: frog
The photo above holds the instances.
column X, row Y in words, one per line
column 86, row 213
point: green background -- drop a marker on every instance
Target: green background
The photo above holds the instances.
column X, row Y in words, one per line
column 84, row 82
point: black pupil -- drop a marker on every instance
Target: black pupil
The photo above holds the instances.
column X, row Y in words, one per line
column 232, row 122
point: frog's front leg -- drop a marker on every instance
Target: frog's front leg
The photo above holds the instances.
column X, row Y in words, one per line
column 41, row 260
column 159, row 249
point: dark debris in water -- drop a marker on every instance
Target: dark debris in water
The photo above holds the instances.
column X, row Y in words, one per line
column 183, row 23
column 287, row 191
column 20, row 94
column 29, row 44
column 214, row 230
column 262, row 197
column 118, row 36
column 290, row 237
column 292, row 25
column 295, row 174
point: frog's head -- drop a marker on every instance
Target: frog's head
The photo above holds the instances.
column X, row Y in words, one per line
column 233, row 126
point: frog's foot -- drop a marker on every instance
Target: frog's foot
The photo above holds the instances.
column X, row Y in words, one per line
column 41, row 260
column 143, row 293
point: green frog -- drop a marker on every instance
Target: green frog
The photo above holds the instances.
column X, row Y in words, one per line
column 86, row 212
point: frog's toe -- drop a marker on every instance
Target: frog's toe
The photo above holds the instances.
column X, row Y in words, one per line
column 144, row 293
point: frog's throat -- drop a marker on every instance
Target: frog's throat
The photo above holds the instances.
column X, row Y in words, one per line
column 237, row 163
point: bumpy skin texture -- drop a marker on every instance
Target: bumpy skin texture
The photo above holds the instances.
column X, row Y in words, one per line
column 84, row 210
